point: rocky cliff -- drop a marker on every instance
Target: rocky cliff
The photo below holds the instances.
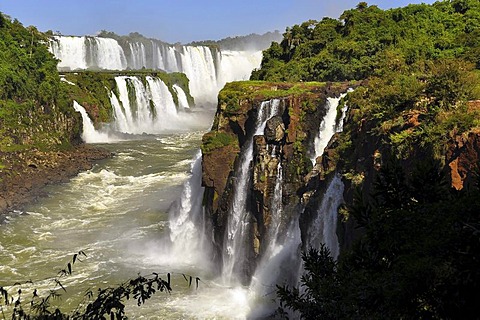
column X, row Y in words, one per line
column 285, row 144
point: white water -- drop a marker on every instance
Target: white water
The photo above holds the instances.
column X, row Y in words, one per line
column 327, row 126
column 182, row 98
column 84, row 53
column 238, row 217
column 187, row 221
column 324, row 227
column 150, row 108
column 89, row 134
column 281, row 266
column 117, row 214
column 207, row 69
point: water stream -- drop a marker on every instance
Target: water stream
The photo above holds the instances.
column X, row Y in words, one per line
column 118, row 213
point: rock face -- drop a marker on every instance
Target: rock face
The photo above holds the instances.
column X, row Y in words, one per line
column 463, row 159
column 283, row 150
column 275, row 130
column 31, row 171
column 285, row 145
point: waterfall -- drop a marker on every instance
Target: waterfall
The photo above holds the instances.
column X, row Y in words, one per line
column 143, row 108
column 187, row 221
column 279, row 266
column 327, row 126
column 276, row 210
column 238, row 217
column 182, row 98
column 324, row 226
column 88, row 53
column 89, row 134
column 280, row 263
column 71, row 51
column 208, row 69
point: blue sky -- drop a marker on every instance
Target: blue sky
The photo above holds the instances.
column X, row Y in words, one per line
column 177, row 20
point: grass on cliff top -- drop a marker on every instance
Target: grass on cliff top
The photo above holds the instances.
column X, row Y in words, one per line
column 234, row 92
column 215, row 140
column 269, row 90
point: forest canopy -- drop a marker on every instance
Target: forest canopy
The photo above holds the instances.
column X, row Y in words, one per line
column 354, row 46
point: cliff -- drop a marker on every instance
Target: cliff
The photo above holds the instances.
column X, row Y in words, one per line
column 286, row 144
column 284, row 148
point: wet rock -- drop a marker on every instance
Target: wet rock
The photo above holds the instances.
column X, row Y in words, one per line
column 275, row 130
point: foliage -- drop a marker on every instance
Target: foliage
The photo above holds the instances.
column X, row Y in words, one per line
column 33, row 113
column 28, row 70
column 351, row 47
column 418, row 258
column 412, row 106
column 106, row 303
column 214, row 140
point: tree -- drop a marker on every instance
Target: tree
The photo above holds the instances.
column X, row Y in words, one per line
column 418, row 258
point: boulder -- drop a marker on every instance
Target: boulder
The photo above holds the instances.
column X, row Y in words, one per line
column 274, row 129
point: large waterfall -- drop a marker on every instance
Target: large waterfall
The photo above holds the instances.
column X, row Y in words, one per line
column 234, row 255
column 149, row 109
column 208, row 69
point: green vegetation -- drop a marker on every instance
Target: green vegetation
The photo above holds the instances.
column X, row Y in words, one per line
column 28, row 71
column 354, row 46
column 407, row 107
column 231, row 96
column 215, row 140
column 21, row 301
column 31, row 102
column 417, row 254
column 417, row 259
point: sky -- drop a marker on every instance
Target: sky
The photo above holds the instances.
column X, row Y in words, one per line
column 178, row 20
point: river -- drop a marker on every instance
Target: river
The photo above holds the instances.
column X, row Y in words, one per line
column 118, row 214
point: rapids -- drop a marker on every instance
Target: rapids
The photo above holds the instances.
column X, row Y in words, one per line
column 118, row 213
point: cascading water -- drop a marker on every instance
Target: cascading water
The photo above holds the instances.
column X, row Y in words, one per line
column 327, row 126
column 88, row 53
column 187, row 221
column 150, row 109
column 281, row 266
column 276, row 208
column 208, row 69
column 280, row 261
column 182, row 98
column 89, row 134
column 324, row 227
column 238, row 217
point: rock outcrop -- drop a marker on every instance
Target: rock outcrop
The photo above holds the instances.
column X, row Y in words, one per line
column 285, row 144
column 27, row 173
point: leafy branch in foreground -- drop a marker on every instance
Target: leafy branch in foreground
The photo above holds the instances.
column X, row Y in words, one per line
column 109, row 302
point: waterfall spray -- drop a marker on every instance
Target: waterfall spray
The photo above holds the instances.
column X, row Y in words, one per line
column 187, row 221
column 324, row 226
